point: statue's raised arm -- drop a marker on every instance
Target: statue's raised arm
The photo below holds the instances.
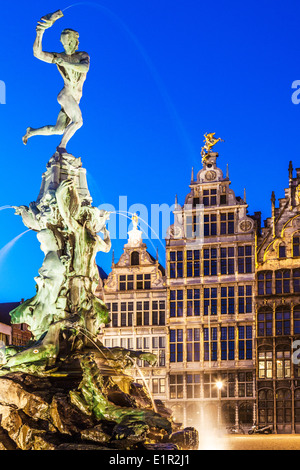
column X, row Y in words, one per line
column 45, row 22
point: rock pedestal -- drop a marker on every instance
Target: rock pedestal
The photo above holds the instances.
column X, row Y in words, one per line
column 49, row 413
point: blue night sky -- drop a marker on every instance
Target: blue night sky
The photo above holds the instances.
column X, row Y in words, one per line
column 163, row 73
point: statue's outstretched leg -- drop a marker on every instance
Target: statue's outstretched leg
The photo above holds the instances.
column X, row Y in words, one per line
column 58, row 129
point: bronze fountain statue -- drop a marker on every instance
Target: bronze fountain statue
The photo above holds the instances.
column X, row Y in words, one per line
column 77, row 391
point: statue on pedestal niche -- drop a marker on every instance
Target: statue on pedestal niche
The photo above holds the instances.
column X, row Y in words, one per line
column 65, row 375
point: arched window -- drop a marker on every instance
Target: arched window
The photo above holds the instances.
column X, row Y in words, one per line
column 282, row 251
column 296, row 244
column 135, row 258
column 265, row 407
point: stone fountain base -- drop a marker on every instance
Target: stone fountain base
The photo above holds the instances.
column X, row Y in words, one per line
column 49, row 413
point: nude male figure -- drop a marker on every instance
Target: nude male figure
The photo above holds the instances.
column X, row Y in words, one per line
column 73, row 67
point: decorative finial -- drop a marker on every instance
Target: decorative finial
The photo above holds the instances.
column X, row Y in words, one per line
column 192, row 175
column 244, row 194
column 227, row 171
column 290, row 170
column 273, row 199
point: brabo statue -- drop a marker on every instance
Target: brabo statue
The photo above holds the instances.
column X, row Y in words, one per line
column 73, row 67
column 87, row 394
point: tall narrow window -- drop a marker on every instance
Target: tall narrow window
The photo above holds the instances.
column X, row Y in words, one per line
column 282, row 281
column 210, row 301
column 296, row 245
column 209, row 197
column 227, row 260
column 227, row 223
column 282, row 250
column 210, row 344
column 227, row 343
column 245, row 342
column 176, row 303
column 176, row 264
column 245, row 299
column 176, row 345
column 265, row 323
column 210, row 261
column 193, row 263
column 245, row 259
column 283, row 364
column 210, row 225
column 193, row 302
column 296, row 280
column 227, row 300
column 265, row 364
column 193, row 345
column 264, row 279
column 135, row 258
column 282, row 321
column 192, row 225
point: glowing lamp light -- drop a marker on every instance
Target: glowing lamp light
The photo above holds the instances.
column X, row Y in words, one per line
column 219, row 384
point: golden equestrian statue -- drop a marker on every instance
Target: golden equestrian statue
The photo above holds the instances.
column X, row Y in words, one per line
column 210, row 141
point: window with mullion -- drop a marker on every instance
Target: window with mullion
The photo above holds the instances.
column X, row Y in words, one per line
column 282, row 321
column 210, row 344
column 176, row 303
column 227, row 223
column 193, row 263
column 282, row 281
column 176, row 264
column 210, row 225
column 227, row 260
column 264, row 283
column 245, row 299
column 245, row 342
column 265, row 323
column 227, row 300
column 176, row 345
column 210, row 301
column 245, row 259
column 193, row 345
column 193, row 302
column 210, row 266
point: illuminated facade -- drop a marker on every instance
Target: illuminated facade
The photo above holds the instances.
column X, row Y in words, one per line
column 210, row 257
column 224, row 317
column 278, row 313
